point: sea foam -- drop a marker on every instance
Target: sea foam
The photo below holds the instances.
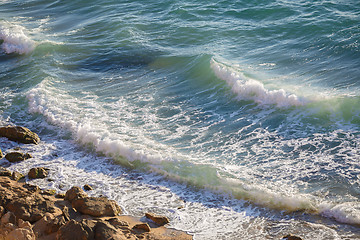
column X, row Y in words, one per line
column 247, row 88
column 15, row 40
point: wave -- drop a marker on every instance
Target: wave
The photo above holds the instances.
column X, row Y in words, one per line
column 81, row 117
column 14, row 40
column 247, row 88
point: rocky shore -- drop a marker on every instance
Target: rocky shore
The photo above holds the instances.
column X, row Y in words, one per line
column 28, row 212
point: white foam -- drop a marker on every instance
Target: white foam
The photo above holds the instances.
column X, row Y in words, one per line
column 15, row 40
column 343, row 212
column 247, row 88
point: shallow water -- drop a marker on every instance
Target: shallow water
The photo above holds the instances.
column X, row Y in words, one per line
column 237, row 120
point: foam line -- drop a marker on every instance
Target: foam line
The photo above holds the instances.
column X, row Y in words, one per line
column 250, row 89
column 15, row 40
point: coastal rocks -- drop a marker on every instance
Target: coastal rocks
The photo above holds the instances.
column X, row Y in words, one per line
column 31, row 208
column 15, row 230
column 16, row 176
column 1, row 154
column 74, row 230
column 17, row 156
column 19, row 134
column 5, row 172
column 142, row 226
column 159, row 220
column 93, row 206
column 96, row 206
column 291, row 237
column 37, row 173
column 87, row 187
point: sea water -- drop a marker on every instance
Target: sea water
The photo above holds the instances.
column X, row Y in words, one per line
column 236, row 119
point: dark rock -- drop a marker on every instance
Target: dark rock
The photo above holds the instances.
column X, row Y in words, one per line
column 105, row 231
column 31, row 188
column 87, row 187
column 160, row 220
column 75, row 231
column 142, row 226
column 60, row 195
column 75, row 193
column 31, row 208
column 19, row 134
column 37, row 173
column 16, row 176
column 291, row 237
column 5, row 172
column 96, row 206
column 17, row 156
column 1, row 154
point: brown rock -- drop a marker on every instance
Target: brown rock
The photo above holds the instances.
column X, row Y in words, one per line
column 24, row 224
column 31, row 188
column 37, row 173
column 8, row 217
column 105, row 231
column 17, row 156
column 160, row 220
column 118, row 223
column 16, row 176
column 19, row 134
column 75, row 193
column 31, row 208
column 87, row 187
column 291, row 237
column 96, row 206
column 60, row 195
column 5, row 172
column 1, row 154
column 75, row 231
column 2, row 211
column 21, row 234
column 142, row 226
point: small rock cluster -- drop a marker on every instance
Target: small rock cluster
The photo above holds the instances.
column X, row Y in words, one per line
column 29, row 213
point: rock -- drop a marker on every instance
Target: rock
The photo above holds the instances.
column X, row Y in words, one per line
column 8, row 217
column 5, row 172
column 48, row 224
column 24, row 224
column 49, row 192
column 87, row 187
column 105, row 231
column 17, row 156
column 96, row 206
column 31, row 208
column 60, row 195
column 19, row 134
column 31, row 188
column 75, row 231
column 21, row 234
column 291, row 237
column 37, row 173
column 1, row 154
column 16, row 176
column 2, row 211
column 159, row 220
column 142, row 226
column 118, row 223
column 75, row 193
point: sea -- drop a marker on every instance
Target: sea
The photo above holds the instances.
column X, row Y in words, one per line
column 236, row 119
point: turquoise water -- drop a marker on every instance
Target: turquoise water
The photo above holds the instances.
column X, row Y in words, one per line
column 246, row 113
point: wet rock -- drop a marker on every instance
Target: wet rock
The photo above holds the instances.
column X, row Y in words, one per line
column 16, row 176
column 105, row 231
column 159, row 220
column 87, row 187
column 291, row 237
column 19, row 134
column 17, row 156
column 142, row 226
column 37, row 173
column 75, row 193
column 5, row 172
column 31, row 208
column 1, row 154
column 96, row 206
column 75, row 231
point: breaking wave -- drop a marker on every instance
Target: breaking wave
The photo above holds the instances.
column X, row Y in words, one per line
column 14, row 40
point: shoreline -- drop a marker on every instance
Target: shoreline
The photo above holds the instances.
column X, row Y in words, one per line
column 27, row 212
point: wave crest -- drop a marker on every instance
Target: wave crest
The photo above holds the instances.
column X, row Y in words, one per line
column 15, row 40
